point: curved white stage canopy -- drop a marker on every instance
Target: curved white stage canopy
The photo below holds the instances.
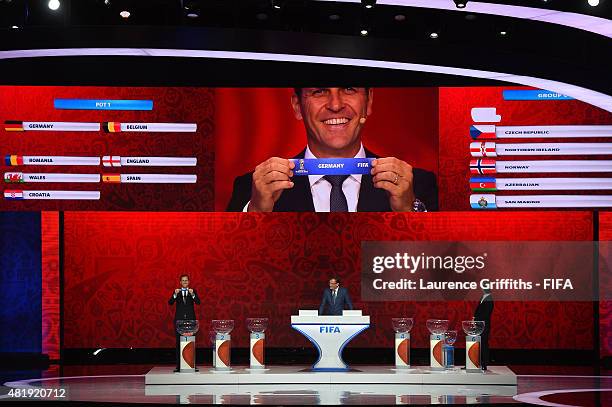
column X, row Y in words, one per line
column 589, row 96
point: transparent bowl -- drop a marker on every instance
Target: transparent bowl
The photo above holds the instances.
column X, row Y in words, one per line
column 450, row 337
column 402, row 325
column 437, row 326
column 223, row 326
column 473, row 327
column 258, row 325
column 187, row 327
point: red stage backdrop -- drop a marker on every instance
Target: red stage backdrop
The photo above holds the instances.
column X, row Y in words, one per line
column 253, row 125
column 49, row 224
column 121, row 268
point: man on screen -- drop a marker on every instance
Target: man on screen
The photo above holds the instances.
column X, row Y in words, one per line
column 335, row 299
column 184, row 298
column 333, row 119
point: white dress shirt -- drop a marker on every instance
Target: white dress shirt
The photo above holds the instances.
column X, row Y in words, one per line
column 185, row 294
column 321, row 188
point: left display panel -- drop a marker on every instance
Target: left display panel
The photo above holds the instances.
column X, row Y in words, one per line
column 84, row 148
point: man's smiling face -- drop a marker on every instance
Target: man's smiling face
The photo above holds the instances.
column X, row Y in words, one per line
column 332, row 118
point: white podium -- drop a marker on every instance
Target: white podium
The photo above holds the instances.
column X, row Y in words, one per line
column 330, row 334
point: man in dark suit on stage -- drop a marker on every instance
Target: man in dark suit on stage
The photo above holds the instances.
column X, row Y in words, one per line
column 335, row 299
column 333, row 118
column 483, row 313
column 184, row 298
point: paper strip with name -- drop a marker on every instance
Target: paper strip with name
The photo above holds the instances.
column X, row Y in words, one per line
column 117, row 127
column 19, row 177
column 491, row 166
column 150, row 178
column 13, row 125
column 491, row 131
column 51, row 195
column 331, row 166
column 539, row 184
column 118, row 161
column 15, row 160
column 492, row 149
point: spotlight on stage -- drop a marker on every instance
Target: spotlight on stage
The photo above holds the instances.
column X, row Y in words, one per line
column 593, row 3
column 364, row 32
column 460, row 3
column 125, row 14
column 54, row 4
column 276, row 4
column 192, row 9
column 13, row 14
column 368, row 3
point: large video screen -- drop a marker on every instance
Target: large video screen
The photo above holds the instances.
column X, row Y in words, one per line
column 272, row 149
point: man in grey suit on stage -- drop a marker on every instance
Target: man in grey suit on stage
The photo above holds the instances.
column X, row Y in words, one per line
column 335, row 299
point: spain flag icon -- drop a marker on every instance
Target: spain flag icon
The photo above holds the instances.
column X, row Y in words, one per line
column 111, row 178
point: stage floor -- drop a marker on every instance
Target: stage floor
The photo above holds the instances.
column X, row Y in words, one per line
column 495, row 376
column 112, row 384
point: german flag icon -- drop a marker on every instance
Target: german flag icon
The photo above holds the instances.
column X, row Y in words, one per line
column 13, row 125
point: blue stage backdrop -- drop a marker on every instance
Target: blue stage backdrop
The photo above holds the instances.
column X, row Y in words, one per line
column 20, row 282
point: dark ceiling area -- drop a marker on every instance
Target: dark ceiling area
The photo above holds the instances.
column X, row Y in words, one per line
column 292, row 15
column 405, row 34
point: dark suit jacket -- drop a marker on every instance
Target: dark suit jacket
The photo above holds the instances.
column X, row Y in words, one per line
column 483, row 313
column 299, row 198
column 184, row 310
column 329, row 307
